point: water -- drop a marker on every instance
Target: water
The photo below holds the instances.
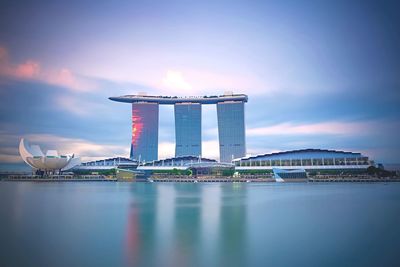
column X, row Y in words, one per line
column 166, row 224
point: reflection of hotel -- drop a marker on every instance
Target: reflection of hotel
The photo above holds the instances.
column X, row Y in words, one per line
column 145, row 118
column 186, row 229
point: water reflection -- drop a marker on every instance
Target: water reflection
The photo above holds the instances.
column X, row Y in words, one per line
column 132, row 236
column 140, row 228
column 162, row 224
column 232, row 227
column 210, row 220
column 186, row 225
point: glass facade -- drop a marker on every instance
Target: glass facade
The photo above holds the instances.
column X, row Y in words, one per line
column 304, row 162
column 144, row 146
column 231, row 130
column 306, row 159
column 187, row 129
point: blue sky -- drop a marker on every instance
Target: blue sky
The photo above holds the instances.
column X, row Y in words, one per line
column 319, row 74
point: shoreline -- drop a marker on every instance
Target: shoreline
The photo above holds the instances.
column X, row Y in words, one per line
column 208, row 180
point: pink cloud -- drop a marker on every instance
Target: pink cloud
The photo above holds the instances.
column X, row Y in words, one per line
column 66, row 78
column 33, row 70
column 3, row 53
column 29, row 69
column 26, row 70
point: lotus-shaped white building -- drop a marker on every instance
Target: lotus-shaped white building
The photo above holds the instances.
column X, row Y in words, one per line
column 34, row 157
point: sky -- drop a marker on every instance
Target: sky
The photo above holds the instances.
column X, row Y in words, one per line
column 319, row 74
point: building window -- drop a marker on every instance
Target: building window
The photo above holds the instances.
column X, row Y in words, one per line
column 276, row 163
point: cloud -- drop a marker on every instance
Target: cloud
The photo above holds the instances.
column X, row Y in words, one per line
column 210, row 149
column 29, row 69
column 3, row 53
column 341, row 128
column 327, row 128
column 216, row 82
column 174, row 80
column 302, row 129
column 200, row 82
column 4, row 158
column 86, row 149
column 66, row 78
column 78, row 106
column 259, row 151
column 166, row 150
column 387, row 154
column 33, row 70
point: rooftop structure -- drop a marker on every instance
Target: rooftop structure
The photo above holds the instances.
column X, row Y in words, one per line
column 304, row 153
column 122, row 168
column 109, row 163
column 308, row 159
column 172, row 100
column 198, row 166
column 179, row 161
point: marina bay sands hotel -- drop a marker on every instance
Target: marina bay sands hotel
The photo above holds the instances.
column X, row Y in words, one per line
column 145, row 117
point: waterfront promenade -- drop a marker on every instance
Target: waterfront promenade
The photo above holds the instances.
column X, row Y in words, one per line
column 60, row 178
column 208, row 179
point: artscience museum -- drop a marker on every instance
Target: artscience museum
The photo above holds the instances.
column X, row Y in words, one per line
column 50, row 162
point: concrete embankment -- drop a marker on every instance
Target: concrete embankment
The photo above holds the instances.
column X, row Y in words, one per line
column 212, row 180
column 59, row 178
column 353, row 180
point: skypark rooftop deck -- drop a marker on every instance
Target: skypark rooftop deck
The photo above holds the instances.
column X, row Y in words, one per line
column 171, row 100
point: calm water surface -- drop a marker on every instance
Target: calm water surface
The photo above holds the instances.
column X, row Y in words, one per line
column 162, row 224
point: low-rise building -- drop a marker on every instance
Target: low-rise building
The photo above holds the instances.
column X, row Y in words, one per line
column 106, row 164
column 311, row 160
